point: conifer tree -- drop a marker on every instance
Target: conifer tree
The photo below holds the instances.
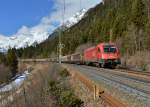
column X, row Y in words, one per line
column 12, row 61
column 138, row 13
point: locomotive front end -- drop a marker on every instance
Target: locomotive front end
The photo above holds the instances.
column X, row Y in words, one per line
column 110, row 55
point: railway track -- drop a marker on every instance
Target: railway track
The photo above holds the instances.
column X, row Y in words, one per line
column 134, row 70
column 124, row 79
column 130, row 86
column 94, row 87
column 129, row 83
column 145, row 78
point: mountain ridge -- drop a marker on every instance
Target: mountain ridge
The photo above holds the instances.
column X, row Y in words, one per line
column 22, row 40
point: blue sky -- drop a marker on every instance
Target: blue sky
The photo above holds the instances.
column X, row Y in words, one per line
column 33, row 17
column 16, row 13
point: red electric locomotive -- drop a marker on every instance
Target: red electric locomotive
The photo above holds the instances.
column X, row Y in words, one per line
column 104, row 54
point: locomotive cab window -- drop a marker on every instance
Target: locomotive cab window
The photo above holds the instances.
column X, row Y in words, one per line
column 99, row 50
column 109, row 49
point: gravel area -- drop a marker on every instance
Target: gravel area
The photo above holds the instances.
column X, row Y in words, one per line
column 88, row 97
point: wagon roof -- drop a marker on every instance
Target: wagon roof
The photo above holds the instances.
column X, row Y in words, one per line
column 106, row 44
column 91, row 48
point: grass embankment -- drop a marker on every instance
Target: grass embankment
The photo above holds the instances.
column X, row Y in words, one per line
column 63, row 93
column 48, row 86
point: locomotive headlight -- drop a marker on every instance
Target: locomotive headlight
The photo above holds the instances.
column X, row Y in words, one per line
column 103, row 56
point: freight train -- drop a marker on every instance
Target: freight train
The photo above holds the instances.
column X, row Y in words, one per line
column 102, row 55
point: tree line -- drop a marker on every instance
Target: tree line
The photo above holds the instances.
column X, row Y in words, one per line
column 8, row 65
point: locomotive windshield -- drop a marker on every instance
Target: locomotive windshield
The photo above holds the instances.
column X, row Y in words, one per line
column 109, row 49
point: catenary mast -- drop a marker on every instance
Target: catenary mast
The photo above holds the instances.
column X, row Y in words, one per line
column 60, row 45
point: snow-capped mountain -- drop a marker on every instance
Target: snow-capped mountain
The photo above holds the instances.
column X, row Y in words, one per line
column 21, row 40
column 26, row 37
column 75, row 19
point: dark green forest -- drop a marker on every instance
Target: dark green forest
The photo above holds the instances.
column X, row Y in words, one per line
column 128, row 20
column 8, row 65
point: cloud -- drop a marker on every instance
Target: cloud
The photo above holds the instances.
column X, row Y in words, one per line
column 49, row 23
column 72, row 6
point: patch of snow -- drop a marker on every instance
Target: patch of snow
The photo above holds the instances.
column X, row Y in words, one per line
column 76, row 18
column 16, row 83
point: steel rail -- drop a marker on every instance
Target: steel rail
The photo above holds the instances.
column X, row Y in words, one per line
column 134, row 71
column 123, row 74
column 136, row 77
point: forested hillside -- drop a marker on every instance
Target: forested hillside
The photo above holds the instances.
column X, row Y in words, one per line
column 128, row 20
column 8, row 65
